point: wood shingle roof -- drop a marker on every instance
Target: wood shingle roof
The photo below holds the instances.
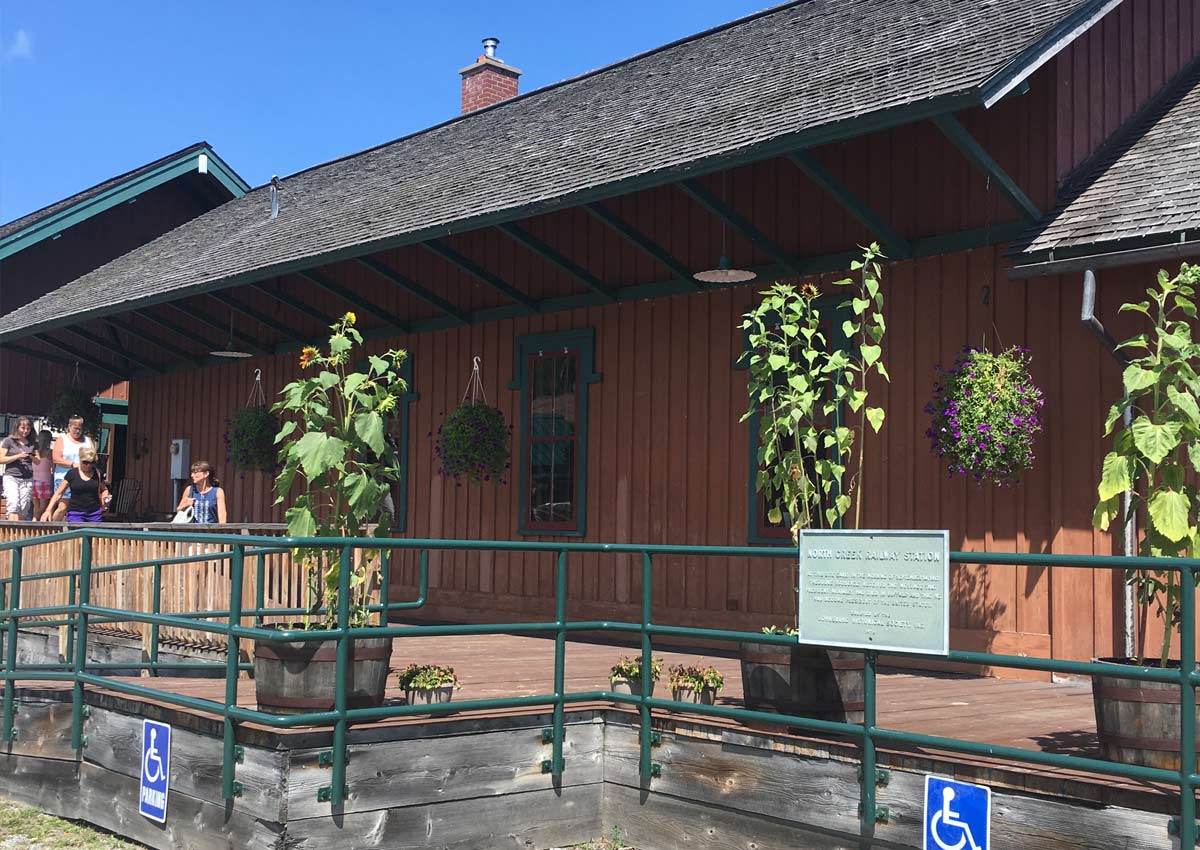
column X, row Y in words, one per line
column 800, row 74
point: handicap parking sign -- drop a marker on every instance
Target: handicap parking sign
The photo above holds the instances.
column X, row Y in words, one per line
column 958, row 815
column 156, row 768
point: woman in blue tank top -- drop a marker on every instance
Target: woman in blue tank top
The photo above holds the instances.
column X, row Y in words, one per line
column 205, row 495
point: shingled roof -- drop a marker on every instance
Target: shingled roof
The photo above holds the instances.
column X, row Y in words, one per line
column 799, row 74
column 1143, row 184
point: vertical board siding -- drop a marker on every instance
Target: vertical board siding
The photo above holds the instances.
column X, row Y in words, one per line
column 1108, row 73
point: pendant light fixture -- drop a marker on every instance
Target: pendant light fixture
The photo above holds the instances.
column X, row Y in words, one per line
column 724, row 272
column 229, row 350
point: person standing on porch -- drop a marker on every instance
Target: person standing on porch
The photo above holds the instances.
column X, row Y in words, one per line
column 43, row 472
column 89, row 493
column 205, row 495
column 66, row 457
column 16, row 453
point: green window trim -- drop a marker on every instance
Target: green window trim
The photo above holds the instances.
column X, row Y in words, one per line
column 583, row 343
column 754, row 534
column 400, row 523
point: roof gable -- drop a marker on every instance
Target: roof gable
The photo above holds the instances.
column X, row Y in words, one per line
column 53, row 219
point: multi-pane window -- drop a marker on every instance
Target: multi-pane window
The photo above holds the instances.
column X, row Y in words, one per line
column 553, row 372
column 553, row 415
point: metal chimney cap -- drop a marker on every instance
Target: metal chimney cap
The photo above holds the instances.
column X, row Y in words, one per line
column 489, row 47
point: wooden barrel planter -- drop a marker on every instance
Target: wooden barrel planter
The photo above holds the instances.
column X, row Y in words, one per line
column 807, row 681
column 298, row 678
column 1138, row 722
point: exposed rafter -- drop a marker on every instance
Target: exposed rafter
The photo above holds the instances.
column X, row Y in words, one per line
column 701, row 194
column 255, row 314
column 334, row 288
column 553, row 257
column 642, row 241
column 473, row 268
column 162, row 344
column 981, row 159
column 113, row 346
column 41, row 355
column 81, row 356
column 299, row 306
column 415, row 289
column 217, row 325
column 896, row 246
column 182, row 332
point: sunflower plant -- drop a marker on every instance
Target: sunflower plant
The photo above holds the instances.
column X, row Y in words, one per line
column 332, row 442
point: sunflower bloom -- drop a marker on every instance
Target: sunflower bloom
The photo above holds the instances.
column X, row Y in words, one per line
column 351, row 318
column 809, row 291
column 307, row 355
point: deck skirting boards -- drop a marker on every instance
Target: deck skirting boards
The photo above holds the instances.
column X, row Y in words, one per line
column 475, row 783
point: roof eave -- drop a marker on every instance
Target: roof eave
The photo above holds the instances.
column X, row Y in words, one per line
column 123, row 191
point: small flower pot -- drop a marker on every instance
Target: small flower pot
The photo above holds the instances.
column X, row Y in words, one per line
column 704, row 696
column 429, row 696
column 633, row 687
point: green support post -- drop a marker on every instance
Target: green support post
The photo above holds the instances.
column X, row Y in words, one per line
column 645, row 739
column 81, row 621
column 157, row 603
column 337, row 785
column 10, row 647
column 385, row 568
column 868, row 776
column 560, row 660
column 260, row 573
column 72, row 584
column 230, row 788
column 1187, row 705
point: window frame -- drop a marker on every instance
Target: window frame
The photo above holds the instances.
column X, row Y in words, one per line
column 581, row 343
column 756, row 530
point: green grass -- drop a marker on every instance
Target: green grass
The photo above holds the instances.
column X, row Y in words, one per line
column 22, row 828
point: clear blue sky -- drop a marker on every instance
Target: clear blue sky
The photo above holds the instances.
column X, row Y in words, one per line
column 91, row 89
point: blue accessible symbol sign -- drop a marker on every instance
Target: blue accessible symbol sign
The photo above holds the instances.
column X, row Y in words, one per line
column 156, row 768
column 958, row 815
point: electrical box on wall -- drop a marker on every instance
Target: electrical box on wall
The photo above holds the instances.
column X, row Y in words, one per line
column 181, row 464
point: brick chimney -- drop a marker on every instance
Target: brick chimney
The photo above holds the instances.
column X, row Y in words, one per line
column 489, row 80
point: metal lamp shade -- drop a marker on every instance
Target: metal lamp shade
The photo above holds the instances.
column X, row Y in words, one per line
column 725, row 273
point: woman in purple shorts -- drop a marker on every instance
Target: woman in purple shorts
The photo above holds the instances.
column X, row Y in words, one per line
column 89, row 493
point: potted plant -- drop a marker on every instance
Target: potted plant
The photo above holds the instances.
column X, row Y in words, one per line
column 1151, row 461
column 250, row 439
column 428, row 684
column 332, row 448
column 472, row 444
column 696, row 684
column 986, row 414
column 626, row 675
column 74, row 401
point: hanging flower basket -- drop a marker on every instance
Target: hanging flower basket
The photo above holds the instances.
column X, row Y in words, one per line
column 986, row 415
column 473, row 441
column 250, row 439
column 74, row 401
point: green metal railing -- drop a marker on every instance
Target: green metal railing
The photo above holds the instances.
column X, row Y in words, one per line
column 78, row 613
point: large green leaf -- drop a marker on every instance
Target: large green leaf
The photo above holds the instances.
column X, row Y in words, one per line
column 1136, row 378
column 1185, row 402
column 1193, row 451
column 871, row 353
column 1105, row 513
column 369, row 427
column 875, row 417
column 300, row 521
column 1155, row 442
column 1169, row 512
column 1116, row 476
column 318, row 452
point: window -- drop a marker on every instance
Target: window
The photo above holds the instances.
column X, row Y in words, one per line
column 760, row 529
column 400, row 429
column 553, row 372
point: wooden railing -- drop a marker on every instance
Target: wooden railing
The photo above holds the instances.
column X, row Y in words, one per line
column 201, row 585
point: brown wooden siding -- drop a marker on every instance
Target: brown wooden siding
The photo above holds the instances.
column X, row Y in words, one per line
column 1107, row 74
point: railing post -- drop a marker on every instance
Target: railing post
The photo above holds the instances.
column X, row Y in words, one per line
column 10, row 647
column 229, row 787
column 385, row 568
column 337, row 786
column 560, row 660
column 81, row 621
column 645, row 736
column 156, row 597
column 260, row 574
column 868, row 812
column 1187, row 706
